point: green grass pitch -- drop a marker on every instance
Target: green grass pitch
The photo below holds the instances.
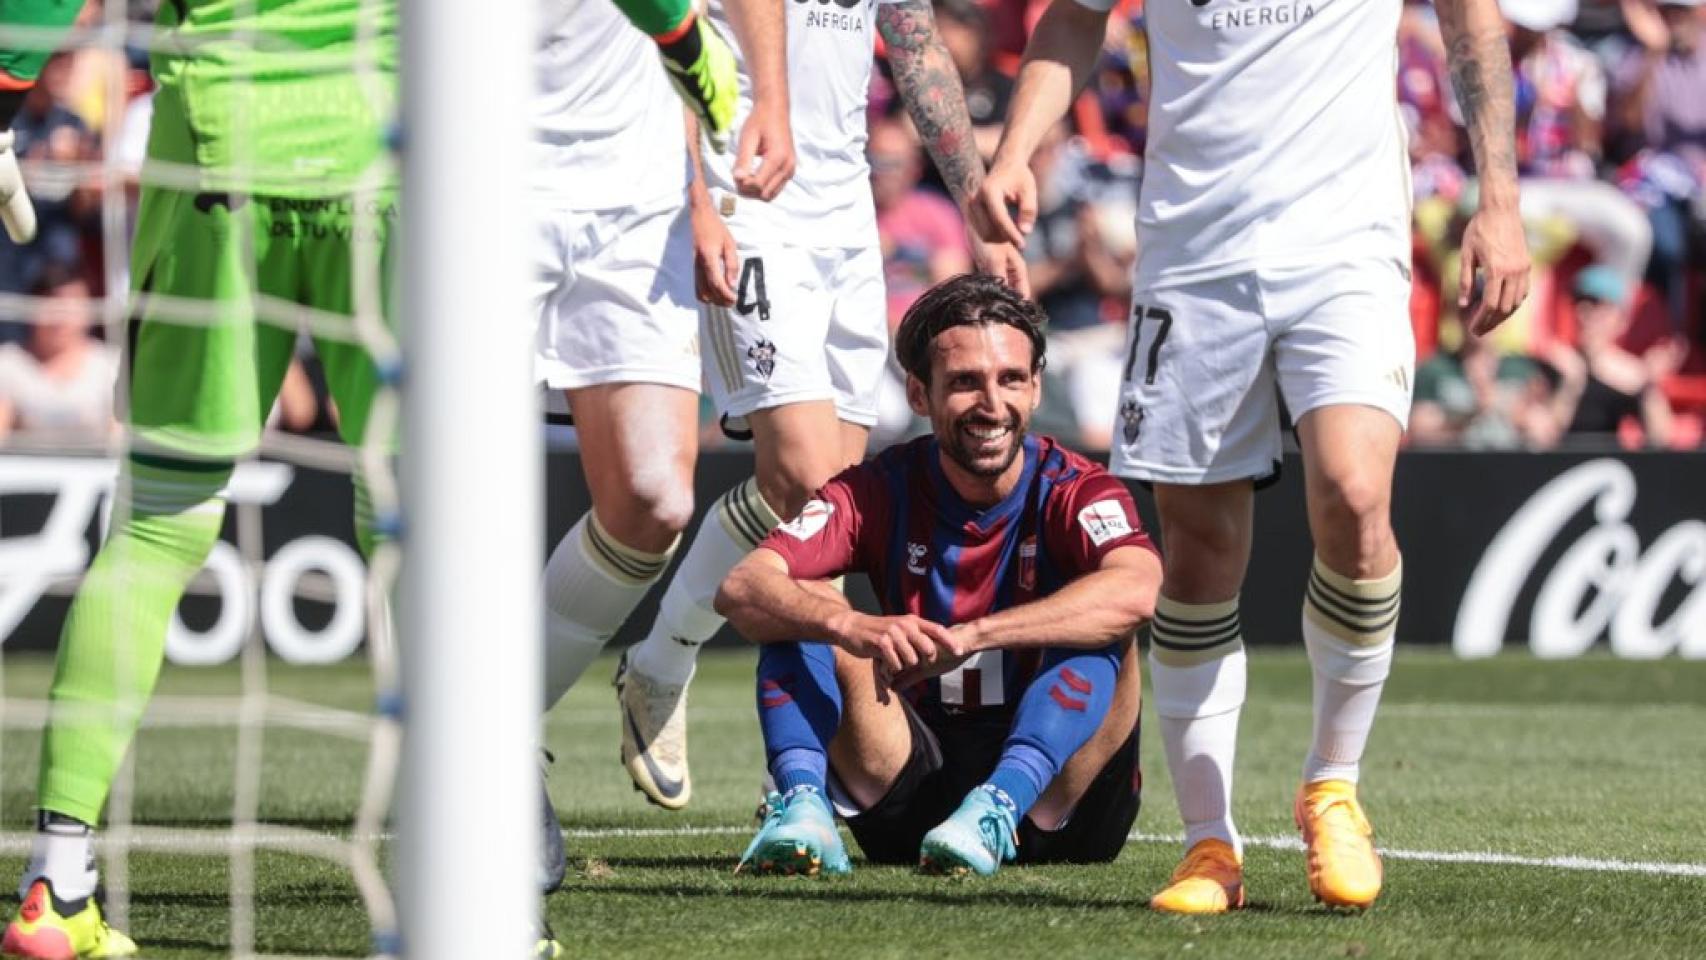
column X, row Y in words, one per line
column 1595, row 759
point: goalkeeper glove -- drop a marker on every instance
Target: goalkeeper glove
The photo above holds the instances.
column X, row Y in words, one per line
column 15, row 209
column 702, row 68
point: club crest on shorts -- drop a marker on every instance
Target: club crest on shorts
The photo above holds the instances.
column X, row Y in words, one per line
column 1132, row 415
column 763, row 357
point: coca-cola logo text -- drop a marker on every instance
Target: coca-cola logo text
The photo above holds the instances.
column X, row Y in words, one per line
column 1604, row 582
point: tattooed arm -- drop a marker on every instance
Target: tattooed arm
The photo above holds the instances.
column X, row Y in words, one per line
column 1480, row 64
column 929, row 84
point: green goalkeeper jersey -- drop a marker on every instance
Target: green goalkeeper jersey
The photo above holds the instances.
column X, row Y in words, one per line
column 280, row 97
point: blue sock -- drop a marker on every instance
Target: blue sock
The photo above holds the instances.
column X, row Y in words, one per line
column 799, row 710
column 1059, row 713
column 799, row 767
column 1021, row 776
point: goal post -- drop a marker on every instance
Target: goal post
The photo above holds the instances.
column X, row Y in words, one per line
column 471, row 528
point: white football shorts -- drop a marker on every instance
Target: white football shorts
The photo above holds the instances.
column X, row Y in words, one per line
column 1206, row 365
column 613, row 297
column 807, row 324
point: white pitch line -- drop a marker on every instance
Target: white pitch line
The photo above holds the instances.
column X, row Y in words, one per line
column 169, row 840
column 1586, row 864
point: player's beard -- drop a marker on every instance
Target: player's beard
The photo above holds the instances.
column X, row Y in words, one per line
column 982, row 459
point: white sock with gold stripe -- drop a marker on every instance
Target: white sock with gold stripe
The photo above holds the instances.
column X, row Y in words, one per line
column 1348, row 626
column 686, row 618
column 592, row 583
column 1197, row 668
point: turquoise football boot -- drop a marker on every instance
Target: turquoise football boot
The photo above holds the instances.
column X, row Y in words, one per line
column 801, row 840
column 769, row 814
column 976, row 839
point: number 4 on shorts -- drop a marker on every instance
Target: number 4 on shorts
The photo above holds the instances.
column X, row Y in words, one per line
column 751, row 293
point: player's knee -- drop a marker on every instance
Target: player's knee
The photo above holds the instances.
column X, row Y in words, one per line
column 658, row 510
column 1354, row 510
column 787, row 485
column 1204, row 556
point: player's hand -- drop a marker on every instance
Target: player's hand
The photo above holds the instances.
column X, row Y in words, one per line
column 963, row 641
column 764, row 160
column 895, row 643
column 16, row 211
column 1000, row 260
column 1493, row 243
column 1011, row 184
column 716, row 262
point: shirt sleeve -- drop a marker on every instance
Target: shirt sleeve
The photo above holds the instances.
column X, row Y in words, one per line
column 1090, row 519
column 825, row 540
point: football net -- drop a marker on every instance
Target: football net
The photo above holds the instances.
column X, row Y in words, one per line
column 256, row 582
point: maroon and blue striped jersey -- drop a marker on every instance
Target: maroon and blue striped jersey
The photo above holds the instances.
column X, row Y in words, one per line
column 897, row 519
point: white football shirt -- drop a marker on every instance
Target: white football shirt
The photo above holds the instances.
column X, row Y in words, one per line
column 828, row 201
column 1274, row 136
column 607, row 124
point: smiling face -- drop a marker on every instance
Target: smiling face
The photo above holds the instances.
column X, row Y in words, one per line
column 980, row 397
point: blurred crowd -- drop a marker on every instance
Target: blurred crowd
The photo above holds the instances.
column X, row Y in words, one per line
column 1611, row 143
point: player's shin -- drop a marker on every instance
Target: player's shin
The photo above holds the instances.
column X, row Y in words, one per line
column 1197, row 667
column 166, row 522
column 799, row 711
column 1059, row 713
column 592, row 583
column 740, row 519
column 1348, row 627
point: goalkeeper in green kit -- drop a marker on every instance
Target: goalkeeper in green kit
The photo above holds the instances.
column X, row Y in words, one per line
column 268, row 188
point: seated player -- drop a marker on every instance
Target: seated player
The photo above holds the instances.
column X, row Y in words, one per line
column 991, row 714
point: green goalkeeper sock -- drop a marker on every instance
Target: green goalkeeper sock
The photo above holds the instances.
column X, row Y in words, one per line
column 656, row 18
column 115, row 635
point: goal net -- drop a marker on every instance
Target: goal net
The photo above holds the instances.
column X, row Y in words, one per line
column 263, row 741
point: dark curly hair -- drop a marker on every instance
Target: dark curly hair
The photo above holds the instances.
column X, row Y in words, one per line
column 966, row 300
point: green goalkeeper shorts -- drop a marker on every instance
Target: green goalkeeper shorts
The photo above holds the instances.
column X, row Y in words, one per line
column 217, row 278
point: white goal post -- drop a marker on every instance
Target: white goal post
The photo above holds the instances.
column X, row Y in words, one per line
column 472, row 532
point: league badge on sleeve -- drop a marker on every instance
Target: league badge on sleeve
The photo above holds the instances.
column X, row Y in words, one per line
column 814, row 516
column 1104, row 520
